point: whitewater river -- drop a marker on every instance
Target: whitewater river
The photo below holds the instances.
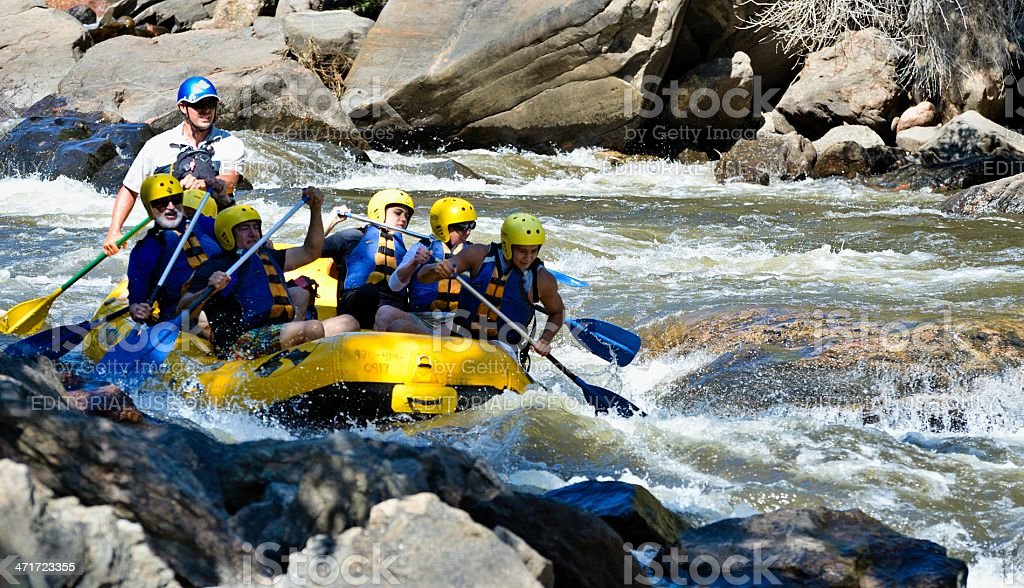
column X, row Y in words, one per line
column 655, row 239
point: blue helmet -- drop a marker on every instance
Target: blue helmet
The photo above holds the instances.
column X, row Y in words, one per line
column 196, row 88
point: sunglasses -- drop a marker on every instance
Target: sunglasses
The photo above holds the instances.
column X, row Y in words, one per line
column 205, row 104
column 161, row 203
column 462, row 227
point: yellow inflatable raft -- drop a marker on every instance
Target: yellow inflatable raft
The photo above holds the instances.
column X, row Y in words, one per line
column 326, row 383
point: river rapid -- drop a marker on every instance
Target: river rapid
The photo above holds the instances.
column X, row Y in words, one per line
column 656, row 239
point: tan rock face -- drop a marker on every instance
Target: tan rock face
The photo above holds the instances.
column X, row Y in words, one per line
column 922, row 114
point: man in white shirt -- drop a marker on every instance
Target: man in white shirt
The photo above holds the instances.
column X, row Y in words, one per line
column 196, row 152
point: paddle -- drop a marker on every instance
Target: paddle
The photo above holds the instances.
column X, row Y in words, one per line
column 568, row 280
column 145, row 350
column 178, row 249
column 608, row 341
column 600, row 398
column 56, row 342
column 605, row 340
column 27, row 317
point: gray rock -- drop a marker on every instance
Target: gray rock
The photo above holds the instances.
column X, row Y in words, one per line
column 289, row 6
column 238, row 14
column 836, row 548
column 335, row 33
column 851, row 82
column 12, row 7
column 107, row 550
column 38, row 46
column 260, row 89
column 545, row 74
column 584, row 549
column 414, row 541
column 631, row 510
column 774, row 124
column 914, row 138
column 786, row 157
column 174, row 15
column 858, row 134
column 1001, row 196
column 968, row 135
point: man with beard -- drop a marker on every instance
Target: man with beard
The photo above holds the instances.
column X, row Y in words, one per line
column 196, row 152
column 162, row 195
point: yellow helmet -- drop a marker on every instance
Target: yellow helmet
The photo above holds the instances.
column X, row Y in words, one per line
column 156, row 187
column 192, row 199
column 228, row 219
column 520, row 229
column 449, row 211
column 380, row 201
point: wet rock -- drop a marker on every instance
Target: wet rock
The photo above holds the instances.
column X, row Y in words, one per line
column 83, row 14
column 448, row 169
column 635, row 514
column 78, row 146
column 786, row 157
column 957, row 174
column 691, row 156
column 120, row 27
column 38, row 47
column 851, row 159
column 260, row 88
column 471, row 74
column 835, row 548
column 107, row 550
column 584, row 549
column 173, row 15
column 1001, row 196
column 413, row 541
column 852, row 82
column 771, row 357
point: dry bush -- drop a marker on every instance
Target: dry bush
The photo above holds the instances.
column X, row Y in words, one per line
column 943, row 38
column 331, row 69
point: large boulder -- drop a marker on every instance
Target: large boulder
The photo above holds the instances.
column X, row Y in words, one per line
column 130, row 79
column 326, row 42
column 413, row 541
column 542, row 75
column 238, row 14
column 38, row 46
column 858, row 134
column 105, row 548
column 969, row 135
column 851, row 82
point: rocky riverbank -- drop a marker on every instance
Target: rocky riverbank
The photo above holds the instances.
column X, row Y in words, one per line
column 663, row 78
column 156, row 504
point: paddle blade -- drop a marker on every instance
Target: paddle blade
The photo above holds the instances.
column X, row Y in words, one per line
column 567, row 280
column 141, row 353
column 26, row 318
column 605, row 340
column 604, row 400
column 52, row 343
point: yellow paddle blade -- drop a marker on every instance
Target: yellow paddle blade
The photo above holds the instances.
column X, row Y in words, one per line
column 26, row 318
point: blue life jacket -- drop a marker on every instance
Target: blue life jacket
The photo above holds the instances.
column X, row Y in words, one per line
column 374, row 259
column 255, row 292
column 512, row 290
column 442, row 295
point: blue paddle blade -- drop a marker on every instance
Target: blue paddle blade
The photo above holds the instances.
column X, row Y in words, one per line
column 567, row 280
column 605, row 340
column 141, row 354
column 604, row 400
column 53, row 343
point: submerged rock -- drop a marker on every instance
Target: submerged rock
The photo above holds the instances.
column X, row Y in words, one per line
column 785, row 157
column 767, row 357
column 1001, row 196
